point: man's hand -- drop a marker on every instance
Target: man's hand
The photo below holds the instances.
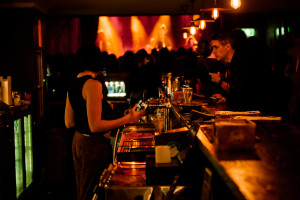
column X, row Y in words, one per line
column 220, row 98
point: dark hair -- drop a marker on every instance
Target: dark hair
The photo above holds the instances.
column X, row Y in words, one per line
column 88, row 57
column 203, row 48
column 236, row 37
column 141, row 55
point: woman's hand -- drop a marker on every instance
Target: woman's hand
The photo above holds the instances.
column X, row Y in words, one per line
column 134, row 115
column 107, row 135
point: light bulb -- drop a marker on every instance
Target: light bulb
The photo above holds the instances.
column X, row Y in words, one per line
column 193, row 30
column 235, row 3
column 202, row 25
column 185, row 35
column 215, row 13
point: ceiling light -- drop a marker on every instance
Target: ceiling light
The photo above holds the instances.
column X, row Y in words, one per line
column 215, row 10
column 203, row 19
column 192, row 28
column 235, row 3
column 202, row 25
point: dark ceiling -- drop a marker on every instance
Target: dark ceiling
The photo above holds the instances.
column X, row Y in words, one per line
column 148, row 7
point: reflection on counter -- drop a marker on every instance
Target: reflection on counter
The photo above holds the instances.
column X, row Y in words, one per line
column 136, row 141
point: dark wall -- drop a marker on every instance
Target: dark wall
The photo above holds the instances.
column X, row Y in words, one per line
column 89, row 27
column 17, row 49
column 264, row 23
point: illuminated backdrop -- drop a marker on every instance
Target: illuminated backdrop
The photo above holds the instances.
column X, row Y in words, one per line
column 120, row 34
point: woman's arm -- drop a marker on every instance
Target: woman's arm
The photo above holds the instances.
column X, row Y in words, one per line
column 69, row 114
column 92, row 93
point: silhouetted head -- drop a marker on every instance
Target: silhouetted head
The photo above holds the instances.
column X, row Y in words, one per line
column 203, row 48
column 89, row 58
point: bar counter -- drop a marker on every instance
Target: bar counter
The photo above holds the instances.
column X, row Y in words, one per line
column 269, row 171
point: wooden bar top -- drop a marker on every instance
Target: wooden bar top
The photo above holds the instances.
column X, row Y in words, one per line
column 271, row 171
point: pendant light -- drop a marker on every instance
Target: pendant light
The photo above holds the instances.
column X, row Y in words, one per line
column 203, row 19
column 215, row 10
column 202, row 25
column 185, row 33
column 192, row 28
column 235, row 4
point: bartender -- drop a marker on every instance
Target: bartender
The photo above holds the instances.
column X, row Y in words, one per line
column 88, row 111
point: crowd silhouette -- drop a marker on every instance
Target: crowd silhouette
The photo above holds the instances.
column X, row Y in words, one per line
column 277, row 69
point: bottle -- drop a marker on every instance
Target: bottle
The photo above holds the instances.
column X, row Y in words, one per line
column 1, row 91
column 182, row 80
column 27, row 97
column 169, row 84
column 176, row 84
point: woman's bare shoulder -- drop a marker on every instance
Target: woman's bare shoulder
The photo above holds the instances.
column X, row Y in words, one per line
column 92, row 86
column 91, row 83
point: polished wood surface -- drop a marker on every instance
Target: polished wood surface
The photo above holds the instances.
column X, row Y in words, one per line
column 271, row 171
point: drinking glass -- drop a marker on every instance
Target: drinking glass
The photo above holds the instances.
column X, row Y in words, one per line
column 16, row 97
column 187, row 94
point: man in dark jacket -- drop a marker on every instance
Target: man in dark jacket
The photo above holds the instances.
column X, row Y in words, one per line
column 245, row 80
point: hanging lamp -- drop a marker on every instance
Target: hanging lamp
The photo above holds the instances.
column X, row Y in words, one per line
column 235, row 4
column 203, row 19
column 185, row 33
column 192, row 28
column 215, row 9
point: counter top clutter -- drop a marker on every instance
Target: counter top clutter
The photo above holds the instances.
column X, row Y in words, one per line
column 6, row 111
column 248, row 156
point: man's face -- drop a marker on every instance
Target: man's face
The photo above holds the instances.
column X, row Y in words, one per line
column 220, row 50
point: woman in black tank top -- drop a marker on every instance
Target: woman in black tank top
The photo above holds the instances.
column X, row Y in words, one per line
column 88, row 111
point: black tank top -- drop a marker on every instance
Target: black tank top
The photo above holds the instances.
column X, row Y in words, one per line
column 79, row 106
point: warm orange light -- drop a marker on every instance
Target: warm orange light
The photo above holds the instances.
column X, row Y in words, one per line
column 185, row 35
column 202, row 24
column 235, row 4
column 138, row 34
column 40, row 39
column 108, row 38
column 215, row 13
column 193, row 30
column 132, row 165
column 160, row 34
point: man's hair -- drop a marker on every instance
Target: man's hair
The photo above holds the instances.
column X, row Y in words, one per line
column 236, row 37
